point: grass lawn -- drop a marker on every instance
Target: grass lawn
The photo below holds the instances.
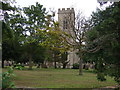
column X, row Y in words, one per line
column 58, row 78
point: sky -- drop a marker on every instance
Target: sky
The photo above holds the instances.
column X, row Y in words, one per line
column 85, row 6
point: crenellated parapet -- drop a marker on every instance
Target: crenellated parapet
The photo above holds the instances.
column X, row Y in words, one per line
column 63, row 10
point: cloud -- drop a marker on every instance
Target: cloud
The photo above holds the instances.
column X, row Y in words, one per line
column 86, row 6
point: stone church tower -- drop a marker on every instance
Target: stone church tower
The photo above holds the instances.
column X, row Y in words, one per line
column 66, row 19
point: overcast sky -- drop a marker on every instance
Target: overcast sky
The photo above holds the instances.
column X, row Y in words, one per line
column 86, row 6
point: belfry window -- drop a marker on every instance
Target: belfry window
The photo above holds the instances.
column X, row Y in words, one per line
column 65, row 24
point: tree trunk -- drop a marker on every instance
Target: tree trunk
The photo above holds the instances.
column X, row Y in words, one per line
column 80, row 63
column 55, row 57
column 38, row 66
column 64, row 66
column 3, row 64
column 30, row 62
column 80, row 67
column 55, row 65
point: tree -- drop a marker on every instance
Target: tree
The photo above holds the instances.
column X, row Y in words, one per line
column 64, row 59
column 77, row 39
column 106, row 24
column 35, row 19
column 20, row 36
column 54, row 41
column 9, row 41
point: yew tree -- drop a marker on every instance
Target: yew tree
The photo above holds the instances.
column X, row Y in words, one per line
column 106, row 24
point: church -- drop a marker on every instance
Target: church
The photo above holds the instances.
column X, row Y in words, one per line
column 66, row 19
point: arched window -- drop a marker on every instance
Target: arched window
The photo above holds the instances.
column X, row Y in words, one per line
column 65, row 24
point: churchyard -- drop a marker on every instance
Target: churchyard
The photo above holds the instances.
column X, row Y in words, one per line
column 58, row 78
column 73, row 51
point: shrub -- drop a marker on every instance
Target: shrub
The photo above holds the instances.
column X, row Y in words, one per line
column 75, row 66
column 101, row 77
column 18, row 66
column 6, row 79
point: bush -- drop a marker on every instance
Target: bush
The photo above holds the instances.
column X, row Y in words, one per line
column 18, row 66
column 101, row 77
column 6, row 79
column 75, row 66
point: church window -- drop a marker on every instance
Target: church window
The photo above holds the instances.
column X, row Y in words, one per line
column 65, row 24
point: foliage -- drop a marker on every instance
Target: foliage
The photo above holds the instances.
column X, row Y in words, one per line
column 34, row 20
column 9, row 41
column 6, row 79
column 101, row 77
column 63, row 60
column 29, row 34
column 35, row 17
column 25, row 30
column 107, row 27
column 18, row 66
column 77, row 39
column 20, row 39
column 55, row 42
column 75, row 66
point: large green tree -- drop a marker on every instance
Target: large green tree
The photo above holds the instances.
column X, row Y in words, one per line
column 55, row 40
column 9, row 40
column 20, row 36
column 107, row 27
column 35, row 19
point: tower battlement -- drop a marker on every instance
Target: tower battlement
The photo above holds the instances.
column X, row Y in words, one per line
column 63, row 10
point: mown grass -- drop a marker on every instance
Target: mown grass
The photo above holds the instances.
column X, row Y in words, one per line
column 58, row 78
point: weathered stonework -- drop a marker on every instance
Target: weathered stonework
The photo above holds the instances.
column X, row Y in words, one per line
column 66, row 19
